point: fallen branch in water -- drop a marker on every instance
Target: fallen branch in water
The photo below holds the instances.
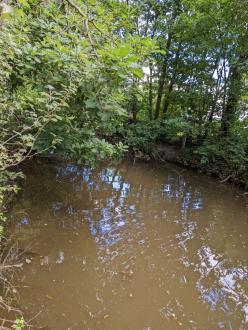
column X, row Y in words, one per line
column 10, row 266
column 227, row 178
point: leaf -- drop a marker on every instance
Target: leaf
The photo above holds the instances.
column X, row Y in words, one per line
column 137, row 72
column 90, row 104
column 123, row 51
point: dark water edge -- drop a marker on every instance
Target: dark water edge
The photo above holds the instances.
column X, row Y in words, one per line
column 169, row 154
column 172, row 156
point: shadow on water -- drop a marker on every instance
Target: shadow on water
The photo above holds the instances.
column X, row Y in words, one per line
column 132, row 247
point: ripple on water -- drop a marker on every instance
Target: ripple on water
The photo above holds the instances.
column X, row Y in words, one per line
column 132, row 247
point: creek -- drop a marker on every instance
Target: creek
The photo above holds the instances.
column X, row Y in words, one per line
column 131, row 247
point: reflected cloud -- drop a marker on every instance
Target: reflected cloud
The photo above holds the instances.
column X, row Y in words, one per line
column 221, row 285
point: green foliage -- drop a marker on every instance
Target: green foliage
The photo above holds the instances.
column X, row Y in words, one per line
column 142, row 136
column 8, row 186
column 176, row 128
column 61, row 81
column 19, row 324
column 225, row 158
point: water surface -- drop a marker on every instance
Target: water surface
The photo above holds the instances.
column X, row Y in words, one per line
column 131, row 247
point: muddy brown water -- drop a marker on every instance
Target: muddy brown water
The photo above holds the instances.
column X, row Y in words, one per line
column 131, row 247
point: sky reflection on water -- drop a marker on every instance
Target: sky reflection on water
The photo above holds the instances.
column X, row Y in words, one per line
column 168, row 220
column 224, row 291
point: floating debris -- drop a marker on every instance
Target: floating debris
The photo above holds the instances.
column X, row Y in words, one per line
column 61, row 258
column 127, row 272
column 45, row 261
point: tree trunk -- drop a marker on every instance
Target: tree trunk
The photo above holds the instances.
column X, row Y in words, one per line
column 172, row 82
column 163, row 74
column 168, row 96
column 150, row 96
column 162, row 77
column 134, row 108
column 229, row 111
column 184, row 140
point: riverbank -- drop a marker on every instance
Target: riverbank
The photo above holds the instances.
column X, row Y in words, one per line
column 12, row 259
column 186, row 158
